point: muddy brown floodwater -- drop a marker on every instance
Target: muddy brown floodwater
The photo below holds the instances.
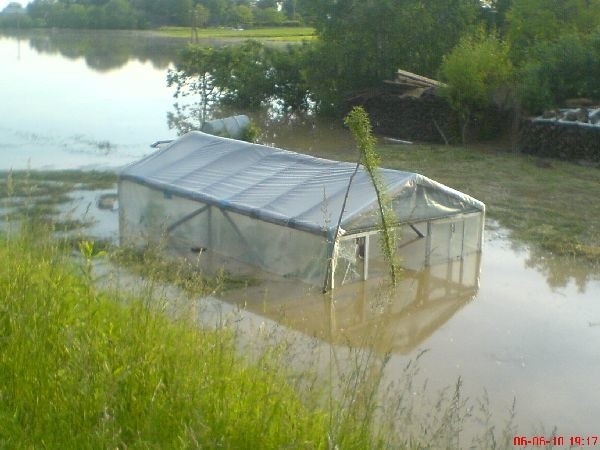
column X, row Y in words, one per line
column 508, row 330
column 519, row 325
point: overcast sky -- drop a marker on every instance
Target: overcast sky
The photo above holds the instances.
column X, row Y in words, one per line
column 3, row 3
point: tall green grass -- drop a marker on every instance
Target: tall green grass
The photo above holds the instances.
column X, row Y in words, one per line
column 81, row 370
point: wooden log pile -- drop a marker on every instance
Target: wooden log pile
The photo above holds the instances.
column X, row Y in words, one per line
column 569, row 140
column 410, row 108
column 426, row 117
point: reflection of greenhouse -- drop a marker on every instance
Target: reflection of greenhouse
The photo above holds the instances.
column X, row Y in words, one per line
column 367, row 314
column 278, row 211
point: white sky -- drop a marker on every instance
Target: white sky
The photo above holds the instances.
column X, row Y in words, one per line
column 4, row 3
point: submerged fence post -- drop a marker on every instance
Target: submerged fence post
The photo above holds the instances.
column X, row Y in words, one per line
column 366, row 258
column 428, row 245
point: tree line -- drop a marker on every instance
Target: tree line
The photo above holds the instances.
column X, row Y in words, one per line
column 525, row 55
column 137, row 14
column 510, row 54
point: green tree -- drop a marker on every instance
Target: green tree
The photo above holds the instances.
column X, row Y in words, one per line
column 248, row 75
column 201, row 15
column 360, row 127
column 241, row 15
column 268, row 16
column 531, row 22
column 290, row 9
column 556, row 71
column 219, row 10
column 363, row 43
column 495, row 14
column 475, row 71
column 263, row 4
column 119, row 14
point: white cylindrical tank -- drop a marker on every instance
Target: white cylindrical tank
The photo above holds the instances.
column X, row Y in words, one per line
column 233, row 127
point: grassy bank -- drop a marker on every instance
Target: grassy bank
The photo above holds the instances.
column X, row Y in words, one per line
column 291, row 34
column 81, row 370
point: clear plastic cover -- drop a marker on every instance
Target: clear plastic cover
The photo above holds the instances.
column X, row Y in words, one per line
column 277, row 210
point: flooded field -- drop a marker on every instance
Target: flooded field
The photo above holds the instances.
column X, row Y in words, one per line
column 102, row 101
column 519, row 324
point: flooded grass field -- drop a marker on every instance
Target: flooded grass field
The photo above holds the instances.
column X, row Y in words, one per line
column 524, row 326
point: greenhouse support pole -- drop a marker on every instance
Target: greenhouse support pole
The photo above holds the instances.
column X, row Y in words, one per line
column 366, row 258
column 428, row 245
column 187, row 217
column 333, row 265
column 210, row 227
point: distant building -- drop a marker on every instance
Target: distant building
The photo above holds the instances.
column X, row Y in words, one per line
column 13, row 8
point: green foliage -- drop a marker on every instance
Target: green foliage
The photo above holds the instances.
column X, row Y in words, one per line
column 140, row 13
column 242, row 73
column 360, row 126
column 362, row 44
column 112, row 14
column 534, row 22
column 495, row 14
column 201, row 16
column 248, row 75
column 16, row 21
column 268, row 16
column 241, row 15
column 81, row 370
column 475, row 71
column 252, row 133
column 556, row 71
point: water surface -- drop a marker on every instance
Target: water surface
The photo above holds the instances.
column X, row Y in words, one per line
column 98, row 99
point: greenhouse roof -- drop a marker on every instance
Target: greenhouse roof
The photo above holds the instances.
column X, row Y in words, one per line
column 288, row 188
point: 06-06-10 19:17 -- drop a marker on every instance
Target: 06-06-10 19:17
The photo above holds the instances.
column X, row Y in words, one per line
column 573, row 441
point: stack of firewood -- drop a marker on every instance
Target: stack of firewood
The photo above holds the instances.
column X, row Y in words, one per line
column 426, row 118
column 559, row 138
column 409, row 108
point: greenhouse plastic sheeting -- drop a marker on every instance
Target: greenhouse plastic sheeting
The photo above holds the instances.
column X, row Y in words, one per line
column 288, row 188
column 277, row 210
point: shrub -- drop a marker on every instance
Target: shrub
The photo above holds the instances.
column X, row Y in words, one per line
column 476, row 70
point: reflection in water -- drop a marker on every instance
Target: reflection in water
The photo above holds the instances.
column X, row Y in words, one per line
column 560, row 271
column 104, row 50
column 369, row 314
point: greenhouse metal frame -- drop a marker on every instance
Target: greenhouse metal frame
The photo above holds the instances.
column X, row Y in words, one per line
column 278, row 211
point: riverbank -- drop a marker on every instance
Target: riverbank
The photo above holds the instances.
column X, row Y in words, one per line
column 286, row 34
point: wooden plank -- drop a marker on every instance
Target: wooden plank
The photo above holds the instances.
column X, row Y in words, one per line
column 415, row 77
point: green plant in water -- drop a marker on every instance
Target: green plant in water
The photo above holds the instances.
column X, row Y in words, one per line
column 252, row 133
column 360, row 126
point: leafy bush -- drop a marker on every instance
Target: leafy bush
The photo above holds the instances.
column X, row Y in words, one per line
column 555, row 71
column 476, row 70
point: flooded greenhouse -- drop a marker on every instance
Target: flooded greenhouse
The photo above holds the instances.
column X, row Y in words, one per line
column 279, row 211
